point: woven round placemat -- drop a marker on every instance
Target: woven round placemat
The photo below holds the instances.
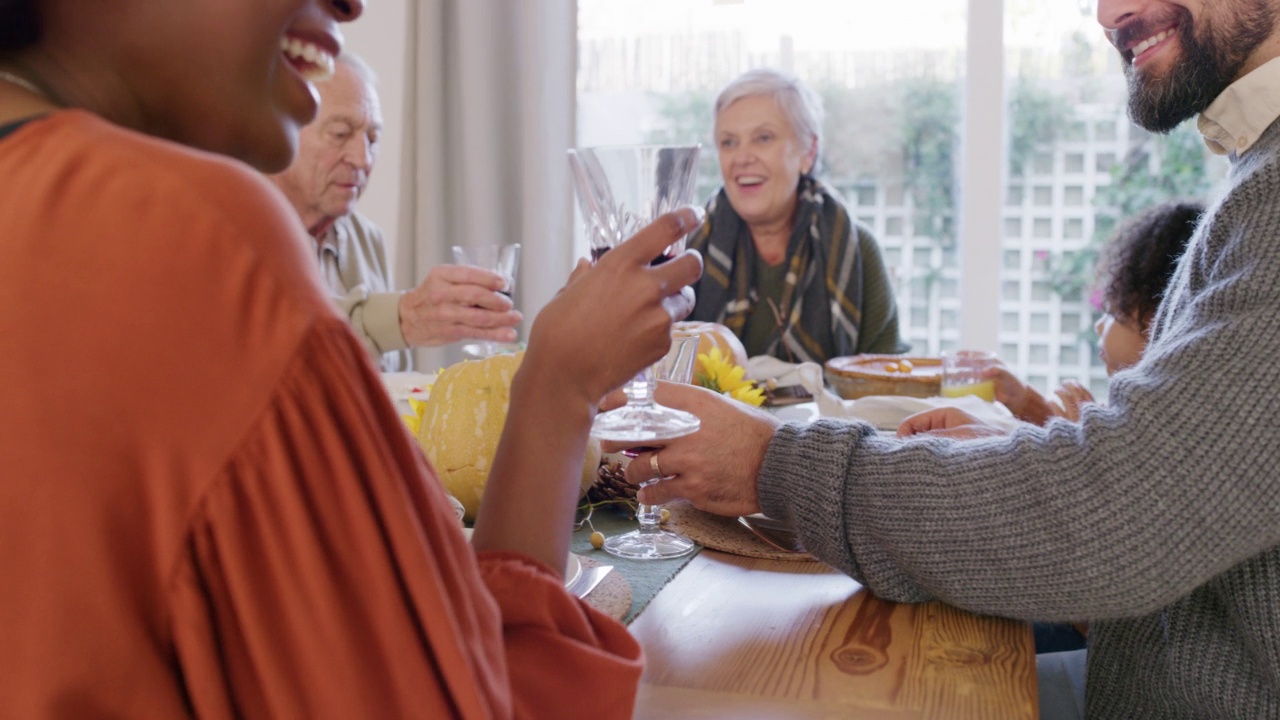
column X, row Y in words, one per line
column 613, row 595
column 722, row 533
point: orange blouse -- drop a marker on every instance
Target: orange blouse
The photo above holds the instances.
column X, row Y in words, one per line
column 207, row 505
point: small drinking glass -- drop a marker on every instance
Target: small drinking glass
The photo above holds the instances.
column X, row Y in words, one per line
column 650, row 541
column 963, row 374
column 620, row 190
column 502, row 259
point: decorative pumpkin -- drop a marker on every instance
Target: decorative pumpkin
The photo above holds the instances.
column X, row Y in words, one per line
column 714, row 335
column 462, row 422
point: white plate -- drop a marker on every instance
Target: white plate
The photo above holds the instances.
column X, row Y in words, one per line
column 400, row 385
column 805, row 412
column 572, row 566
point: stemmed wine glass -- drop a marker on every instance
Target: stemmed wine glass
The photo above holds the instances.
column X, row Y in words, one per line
column 650, row 541
column 502, row 259
column 620, row 190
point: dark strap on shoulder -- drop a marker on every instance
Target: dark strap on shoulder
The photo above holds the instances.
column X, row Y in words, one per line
column 8, row 129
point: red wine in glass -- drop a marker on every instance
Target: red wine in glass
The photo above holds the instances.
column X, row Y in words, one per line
column 598, row 252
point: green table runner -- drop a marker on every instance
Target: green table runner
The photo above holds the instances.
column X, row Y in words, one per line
column 646, row 577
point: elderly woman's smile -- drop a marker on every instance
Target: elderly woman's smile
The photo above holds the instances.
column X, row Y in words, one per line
column 761, row 158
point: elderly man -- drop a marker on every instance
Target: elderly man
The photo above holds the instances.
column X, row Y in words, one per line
column 1157, row 517
column 336, row 154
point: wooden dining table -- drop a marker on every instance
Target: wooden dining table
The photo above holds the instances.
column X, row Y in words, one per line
column 755, row 639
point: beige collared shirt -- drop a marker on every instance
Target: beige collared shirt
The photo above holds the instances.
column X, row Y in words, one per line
column 1236, row 118
column 354, row 267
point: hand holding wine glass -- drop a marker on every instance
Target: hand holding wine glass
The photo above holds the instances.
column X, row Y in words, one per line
column 650, row 541
column 501, row 259
column 620, row 189
column 600, row 329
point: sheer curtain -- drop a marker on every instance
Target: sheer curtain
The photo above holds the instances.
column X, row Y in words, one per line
column 489, row 114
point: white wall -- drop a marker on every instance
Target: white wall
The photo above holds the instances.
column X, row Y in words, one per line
column 379, row 37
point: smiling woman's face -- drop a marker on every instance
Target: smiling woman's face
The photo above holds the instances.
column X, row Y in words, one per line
column 219, row 75
column 761, row 159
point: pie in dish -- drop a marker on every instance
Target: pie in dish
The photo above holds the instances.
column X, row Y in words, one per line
column 856, row 376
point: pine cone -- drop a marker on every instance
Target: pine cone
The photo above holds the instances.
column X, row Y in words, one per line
column 611, row 484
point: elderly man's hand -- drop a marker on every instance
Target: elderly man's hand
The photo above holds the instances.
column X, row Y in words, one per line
column 457, row 302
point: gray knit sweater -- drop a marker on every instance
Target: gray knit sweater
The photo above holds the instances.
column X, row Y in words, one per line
column 1156, row 518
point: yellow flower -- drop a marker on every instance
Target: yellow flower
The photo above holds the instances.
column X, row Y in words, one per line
column 414, row 421
column 718, row 373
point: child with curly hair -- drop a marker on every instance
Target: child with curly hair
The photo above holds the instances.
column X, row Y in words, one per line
column 1136, row 267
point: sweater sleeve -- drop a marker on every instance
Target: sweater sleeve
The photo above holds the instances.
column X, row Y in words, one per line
column 1118, row 515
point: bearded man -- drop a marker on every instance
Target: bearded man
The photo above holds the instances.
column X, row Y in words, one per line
column 1155, row 518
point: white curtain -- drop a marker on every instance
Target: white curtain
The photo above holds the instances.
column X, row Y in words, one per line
column 489, row 114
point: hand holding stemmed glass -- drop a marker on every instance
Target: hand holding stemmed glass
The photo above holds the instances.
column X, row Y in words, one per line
column 621, row 189
column 650, row 541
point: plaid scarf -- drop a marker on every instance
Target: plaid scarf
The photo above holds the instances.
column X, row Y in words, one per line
column 819, row 309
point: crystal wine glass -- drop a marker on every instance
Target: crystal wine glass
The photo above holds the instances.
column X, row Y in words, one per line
column 620, row 190
column 502, row 259
column 650, row 541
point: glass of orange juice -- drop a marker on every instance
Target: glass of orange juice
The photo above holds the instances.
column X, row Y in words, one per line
column 962, row 374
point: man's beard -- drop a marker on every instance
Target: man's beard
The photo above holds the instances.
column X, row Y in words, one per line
column 1205, row 68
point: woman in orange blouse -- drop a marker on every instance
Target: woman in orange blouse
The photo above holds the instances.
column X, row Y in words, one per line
column 207, row 505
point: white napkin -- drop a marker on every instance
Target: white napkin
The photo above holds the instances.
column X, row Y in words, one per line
column 886, row 412
column 767, row 367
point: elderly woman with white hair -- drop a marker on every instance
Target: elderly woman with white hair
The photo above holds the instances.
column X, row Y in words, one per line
column 787, row 269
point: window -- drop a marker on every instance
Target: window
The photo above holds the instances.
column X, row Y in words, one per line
column 893, row 77
column 1042, row 163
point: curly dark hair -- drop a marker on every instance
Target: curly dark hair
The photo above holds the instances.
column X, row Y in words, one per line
column 1141, row 257
column 19, row 24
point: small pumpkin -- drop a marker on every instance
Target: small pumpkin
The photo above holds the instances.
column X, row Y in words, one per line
column 462, row 422
column 714, row 335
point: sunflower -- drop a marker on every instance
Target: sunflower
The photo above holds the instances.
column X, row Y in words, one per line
column 414, row 421
column 719, row 374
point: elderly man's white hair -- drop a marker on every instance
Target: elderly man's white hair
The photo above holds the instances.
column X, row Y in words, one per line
column 361, row 68
column 801, row 105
